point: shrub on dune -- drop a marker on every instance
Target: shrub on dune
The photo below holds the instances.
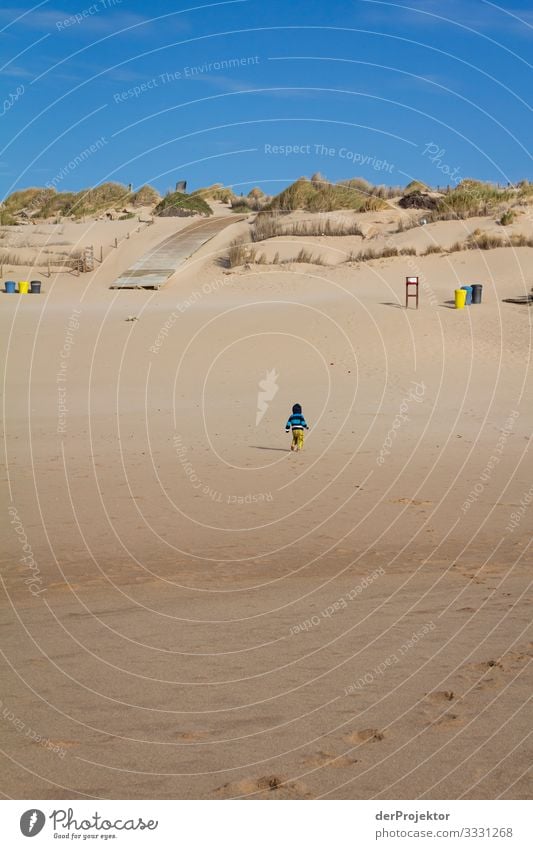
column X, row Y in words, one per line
column 507, row 218
column 176, row 203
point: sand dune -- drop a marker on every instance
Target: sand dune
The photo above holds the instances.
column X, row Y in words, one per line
column 208, row 615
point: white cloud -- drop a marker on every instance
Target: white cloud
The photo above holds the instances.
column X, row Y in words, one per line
column 481, row 16
column 17, row 71
column 105, row 20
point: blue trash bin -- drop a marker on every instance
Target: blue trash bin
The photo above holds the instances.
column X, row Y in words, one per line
column 10, row 287
column 468, row 290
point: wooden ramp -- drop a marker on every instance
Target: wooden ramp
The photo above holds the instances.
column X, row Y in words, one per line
column 153, row 269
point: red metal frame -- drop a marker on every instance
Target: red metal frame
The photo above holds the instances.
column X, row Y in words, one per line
column 411, row 281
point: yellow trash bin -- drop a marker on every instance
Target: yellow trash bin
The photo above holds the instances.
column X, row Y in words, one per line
column 460, row 299
column 23, row 287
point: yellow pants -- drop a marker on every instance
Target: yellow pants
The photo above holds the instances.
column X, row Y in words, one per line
column 297, row 439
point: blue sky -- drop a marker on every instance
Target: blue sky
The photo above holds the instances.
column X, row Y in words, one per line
column 249, row 92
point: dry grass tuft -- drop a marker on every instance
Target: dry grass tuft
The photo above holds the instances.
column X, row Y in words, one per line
column 484, row 241
column 371, row 253
column 240, row 252
column 269, row 226
column 519, row 240
column 9, row 258
column 405, row 224
column 307, row 256
column 252, row 203
column 507, row 218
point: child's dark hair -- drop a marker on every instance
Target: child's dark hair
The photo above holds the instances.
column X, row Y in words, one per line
column 297, row 408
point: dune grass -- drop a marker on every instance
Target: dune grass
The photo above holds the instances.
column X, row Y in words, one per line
column 478, row 240
column 268, row 226
column 6, row 218
column 41, row 258
column 92, row 201
column 241, row 252
column 376, row 253
column 486, row 241
column 318, row 195
column 416, row 186
column 10, row 258
column 471, row 198
column 145, row 196
column 306, row 256
column 45, row 203
column 249, row 204
column 217, row 192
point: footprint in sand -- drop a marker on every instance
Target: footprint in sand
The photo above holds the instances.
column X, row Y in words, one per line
column 192, row 736
column 265, row 787
column 61, row 744
column 368, row 735
column 480, row 668
column 440, row 697
column 470, row 573
column 415, row 501
column 487, row 683
column 515, row 659
column 447, row 721
column 330, row 759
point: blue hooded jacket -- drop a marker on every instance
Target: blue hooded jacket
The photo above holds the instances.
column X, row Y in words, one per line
column 296, row 420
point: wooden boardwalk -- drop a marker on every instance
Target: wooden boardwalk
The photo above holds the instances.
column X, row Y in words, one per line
column 153, row 269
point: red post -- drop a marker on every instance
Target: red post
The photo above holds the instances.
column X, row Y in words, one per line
column 409, row 282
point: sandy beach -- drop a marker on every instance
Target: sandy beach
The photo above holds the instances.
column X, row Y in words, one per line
column 202, row 613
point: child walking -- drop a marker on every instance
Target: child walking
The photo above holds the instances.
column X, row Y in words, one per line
column 297, row 422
